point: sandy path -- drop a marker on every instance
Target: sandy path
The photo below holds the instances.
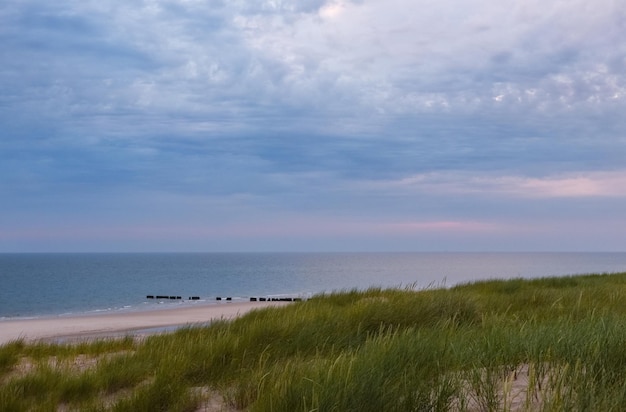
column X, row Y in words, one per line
column 114, row 324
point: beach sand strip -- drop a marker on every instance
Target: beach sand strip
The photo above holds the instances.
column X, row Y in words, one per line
column 114, row 324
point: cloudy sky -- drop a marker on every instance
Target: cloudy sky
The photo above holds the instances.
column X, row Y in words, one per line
column 321, row 125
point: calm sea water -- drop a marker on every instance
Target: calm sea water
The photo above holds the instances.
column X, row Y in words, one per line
column 52, row 284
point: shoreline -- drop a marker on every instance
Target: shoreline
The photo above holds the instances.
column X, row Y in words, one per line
column 119, row 324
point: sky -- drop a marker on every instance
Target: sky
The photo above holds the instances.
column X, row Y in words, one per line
column 312, row 125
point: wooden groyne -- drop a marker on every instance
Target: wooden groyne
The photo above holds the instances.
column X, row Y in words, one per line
column 170, row 297
column 228, row 298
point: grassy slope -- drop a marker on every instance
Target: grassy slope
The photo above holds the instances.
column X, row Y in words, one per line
column 373, row 350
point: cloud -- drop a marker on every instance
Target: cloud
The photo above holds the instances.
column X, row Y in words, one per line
column 401, row 57
column 572, row 185
column 423, row 114
column 279, row 65
column 599, row 184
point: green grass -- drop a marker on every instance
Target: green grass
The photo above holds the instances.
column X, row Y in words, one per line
column 548, row 344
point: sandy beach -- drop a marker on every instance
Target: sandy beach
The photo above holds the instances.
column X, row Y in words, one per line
column 121, row 323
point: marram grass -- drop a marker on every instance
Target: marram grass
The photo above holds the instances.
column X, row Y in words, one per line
column 548, row 344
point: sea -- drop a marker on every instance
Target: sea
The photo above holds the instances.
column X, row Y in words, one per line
column 41, row 285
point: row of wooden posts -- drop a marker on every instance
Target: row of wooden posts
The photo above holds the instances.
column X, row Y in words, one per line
column 252, row 299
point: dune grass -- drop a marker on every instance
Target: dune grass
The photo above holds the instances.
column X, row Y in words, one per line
column 547, row 344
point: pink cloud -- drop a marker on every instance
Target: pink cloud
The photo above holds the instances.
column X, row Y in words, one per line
column 581, row 184
column 279, row 228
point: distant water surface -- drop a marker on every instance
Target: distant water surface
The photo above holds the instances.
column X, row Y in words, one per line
column 51, row 284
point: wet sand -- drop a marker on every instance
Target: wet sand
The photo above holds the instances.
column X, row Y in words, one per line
column 67, row 328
